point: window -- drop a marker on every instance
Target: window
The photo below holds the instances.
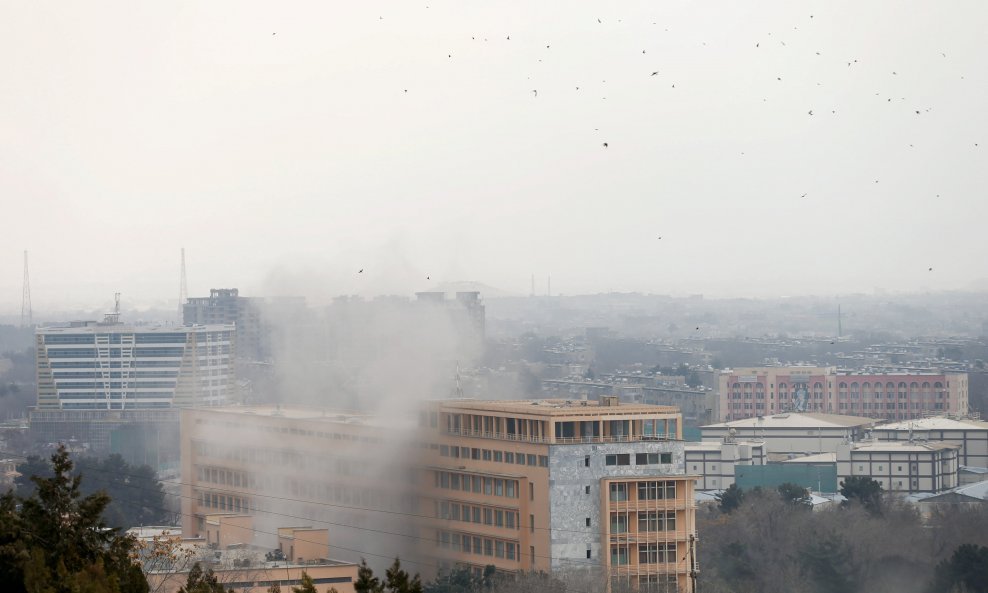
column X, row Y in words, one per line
column 510, row 551
column 618, row 492
column 488, row 547
column 588, row 521
column 488, row 486
column 488, row 516
column 588, row 554
column 619, row 459
column 619, row 523
column 619, row 555
column 531, row 523
column 474, row 453
column 656, row 490
column 477, row 484
column 509, row 457
column 543, row 461
column 444, row 450
column 532, row 460
column 499, row 518
column 657, row 521
column 511, row 488
column 586, row 489
column 487, row 455
column 498, row 456
column 656, row 553
column 531, row 491
column 586, row 461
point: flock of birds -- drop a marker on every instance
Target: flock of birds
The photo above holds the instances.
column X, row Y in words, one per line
column 655, row 73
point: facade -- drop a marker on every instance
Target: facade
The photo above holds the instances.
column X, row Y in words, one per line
column 760, row 391
column 971, row 435
column 520, row 485
column 113, row 366
column 226, row 306
column 347, row 471
column 790, row 434
column 714, row 462
column 901, row 467
column 562, row 484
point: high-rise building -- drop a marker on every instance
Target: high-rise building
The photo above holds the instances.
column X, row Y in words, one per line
column 552, row 485
column 761, row 391
column 225, row 305
column 112, row 387
column 114, row 366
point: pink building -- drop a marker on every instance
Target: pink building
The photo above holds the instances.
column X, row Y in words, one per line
column 761, row 391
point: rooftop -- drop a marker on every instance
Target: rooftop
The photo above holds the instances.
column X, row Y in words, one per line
column 904, row 446
column 557, row 407
column 91, row 327
column 977, row 490
column 817, row 458
column 321, row 415
column 797, row 420
column 936, row 423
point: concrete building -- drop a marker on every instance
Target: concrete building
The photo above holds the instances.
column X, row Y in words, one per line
column 225, row 306
column 520, row 485
column 243, row 558
column 113, row 387
column 791, row 434
column 561, row 484
column 755, row 391
column 901, row 467
column 351, row 472
column 714, row 462
column 114, row 366
column 970, row 434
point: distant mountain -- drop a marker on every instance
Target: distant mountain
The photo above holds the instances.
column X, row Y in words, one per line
column 486, row 291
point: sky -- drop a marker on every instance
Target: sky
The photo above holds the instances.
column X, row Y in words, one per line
column 287, row 145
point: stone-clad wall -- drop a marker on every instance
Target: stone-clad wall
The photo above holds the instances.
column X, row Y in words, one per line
column 570, row 505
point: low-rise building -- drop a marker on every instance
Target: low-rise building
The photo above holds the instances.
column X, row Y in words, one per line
column 792, row 433
column 714, row 462
column 901, row 467
column 970, row 434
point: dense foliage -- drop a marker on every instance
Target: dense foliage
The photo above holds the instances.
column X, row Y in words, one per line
column 55, row 541
column 768, row 542
column 135, row 494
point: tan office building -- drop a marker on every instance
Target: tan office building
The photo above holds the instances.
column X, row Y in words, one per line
column 560, row 485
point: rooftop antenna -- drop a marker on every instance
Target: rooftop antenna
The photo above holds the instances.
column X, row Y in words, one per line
column 27, row 316
column 839, row 329
column 183, row 292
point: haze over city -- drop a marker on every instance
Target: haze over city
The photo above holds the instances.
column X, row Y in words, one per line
column 723, row 149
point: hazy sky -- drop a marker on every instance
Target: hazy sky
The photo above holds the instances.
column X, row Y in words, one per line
column 276, row 142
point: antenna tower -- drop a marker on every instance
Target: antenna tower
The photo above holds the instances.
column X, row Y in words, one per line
column 183, row 292
column 27, row 316
column 839, row 328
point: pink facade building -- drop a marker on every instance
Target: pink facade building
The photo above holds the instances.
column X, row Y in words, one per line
column 761, row 391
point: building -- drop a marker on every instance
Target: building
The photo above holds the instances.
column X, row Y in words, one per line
column 974, row 495
column 792, row 434
column 970, row 434
column 353, row 473
column 551, row 485
column 901, row 467
column 714, row 462
column 113, row 387
column 114, row 366
column 243, row 558
column 225, row 306
column 750, row 392
column 560, row 485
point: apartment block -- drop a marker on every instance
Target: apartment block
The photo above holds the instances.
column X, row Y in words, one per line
column 970, row 434
column 761, row 391
column 557, row 485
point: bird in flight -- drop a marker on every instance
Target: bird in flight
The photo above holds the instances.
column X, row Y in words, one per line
column 427, row 278
column 360, row 271
column 811, row 112
column 803, row 196
column 536, row 92
column 931, row 269
column 605, row 145
column 656, row 73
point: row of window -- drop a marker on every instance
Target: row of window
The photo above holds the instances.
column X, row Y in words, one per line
column 481, row 546
column 223, row 502
column 493, row 455
column 477, row 484
column 654, row 553
column 659, row 490
column 640, row 459
column 648, row 522
column 506, row 518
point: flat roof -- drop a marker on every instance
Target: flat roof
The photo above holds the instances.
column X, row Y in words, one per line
column 893, row 446
column 321, row 415
column 555, row 407
column 935, row 423
column 123, row 328
column 816, row 458
column 796, row 420
column 716, row 445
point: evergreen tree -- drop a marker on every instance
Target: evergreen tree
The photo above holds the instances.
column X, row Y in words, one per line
column 56, row 542
column 864, row 490
column 730, row 499
column 966, row 570
column 795, row 494
column 398, row 580
column 202, row 582
column 366, row 581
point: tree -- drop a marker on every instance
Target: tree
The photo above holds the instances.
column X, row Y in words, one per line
column 966, row 570
column 56, row 541
column 795, row 494
column 366, row 581
column 398, row 580
column 307, row 586
column 730, row 499
column 864, row 490
column 202, row 582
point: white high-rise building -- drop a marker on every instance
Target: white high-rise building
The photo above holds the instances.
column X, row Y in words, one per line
column 115, row 366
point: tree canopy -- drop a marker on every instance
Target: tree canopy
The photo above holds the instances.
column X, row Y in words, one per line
column 55, row 541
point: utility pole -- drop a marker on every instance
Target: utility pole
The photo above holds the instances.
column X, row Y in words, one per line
column 27, row 316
